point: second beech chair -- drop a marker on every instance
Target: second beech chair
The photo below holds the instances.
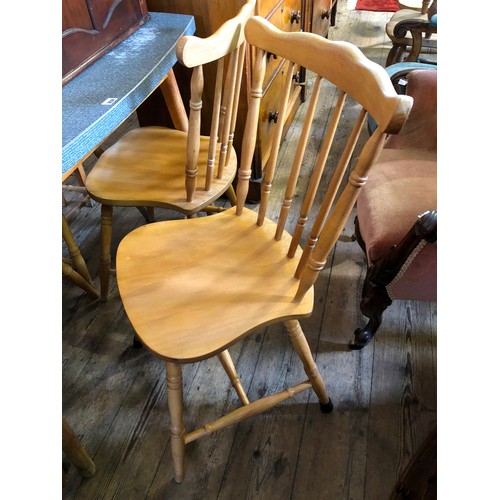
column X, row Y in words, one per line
column 182, row 171
column 192, row 288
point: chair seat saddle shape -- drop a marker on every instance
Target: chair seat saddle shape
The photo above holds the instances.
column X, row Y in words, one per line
column 180, row 170
column 396, row 222
column 192, row 288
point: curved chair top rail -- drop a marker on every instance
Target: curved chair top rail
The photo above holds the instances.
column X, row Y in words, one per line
column 193, row 51
column 348, row 68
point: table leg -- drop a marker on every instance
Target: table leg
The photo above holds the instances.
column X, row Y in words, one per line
column 174, row 103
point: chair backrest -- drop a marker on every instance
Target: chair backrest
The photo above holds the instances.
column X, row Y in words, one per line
column 226, row 49
column 360, row 83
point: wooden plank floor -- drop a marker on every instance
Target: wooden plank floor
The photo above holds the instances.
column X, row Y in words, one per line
column 114, row 394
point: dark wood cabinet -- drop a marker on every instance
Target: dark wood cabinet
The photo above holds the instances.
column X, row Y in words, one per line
column 90, row 28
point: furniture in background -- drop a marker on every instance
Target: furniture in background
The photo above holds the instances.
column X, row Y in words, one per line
column 288, row 15
column 396, row 223
column 412, row 34
column 91, row 28
column 179, row 170
column 192, row 288
column 103, row 95
column 75, row 452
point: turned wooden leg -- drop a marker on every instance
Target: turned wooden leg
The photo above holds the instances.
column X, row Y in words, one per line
column 81, row 178
column 106, row 230
column 78, row 280
column 74, row 251
column 177, row 430
column 300, row 344
column 76, row 452
column 231, row 195
column 227, row 363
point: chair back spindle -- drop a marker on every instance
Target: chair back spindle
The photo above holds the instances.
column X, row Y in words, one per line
column 298, row 158
column 226, row 45
column 193, row 137
column 214, row 126
column 271, row 164
column 363, row 82
column 326, row 205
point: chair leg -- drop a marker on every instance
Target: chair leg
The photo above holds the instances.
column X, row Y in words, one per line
column 301, row 346
column 374, row 301
column 227, row 363
column 76, row 452
column 177, row 430
column 78, row 280
column 76, row 256
column 106, row 230
column 231, row 195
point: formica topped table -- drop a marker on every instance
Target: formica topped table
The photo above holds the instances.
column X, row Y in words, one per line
column 99, row 99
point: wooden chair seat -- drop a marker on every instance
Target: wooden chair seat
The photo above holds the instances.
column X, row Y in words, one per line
column 248, row 272
column 132, row 171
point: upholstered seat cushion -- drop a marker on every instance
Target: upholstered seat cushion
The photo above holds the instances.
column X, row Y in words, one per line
column 401, row 186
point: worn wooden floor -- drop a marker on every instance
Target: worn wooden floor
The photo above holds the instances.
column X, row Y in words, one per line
column 384, row 395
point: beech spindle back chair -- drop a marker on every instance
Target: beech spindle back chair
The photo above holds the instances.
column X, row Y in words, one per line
column 175, row 169
column 192, row 288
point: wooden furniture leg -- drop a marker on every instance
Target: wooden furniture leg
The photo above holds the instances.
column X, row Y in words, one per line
column 302, row 347
column 78, row 280
column 177, row 429
column 173, row 100
column 78, row 272
column 106, row 232
column 75, row 451
column 227, row 363
column 375, row 299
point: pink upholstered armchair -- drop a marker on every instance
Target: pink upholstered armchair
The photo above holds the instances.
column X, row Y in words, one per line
column 396, row 223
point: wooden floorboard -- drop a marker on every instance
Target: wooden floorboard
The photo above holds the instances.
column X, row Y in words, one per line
column 114, row 394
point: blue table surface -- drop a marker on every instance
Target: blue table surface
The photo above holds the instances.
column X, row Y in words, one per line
column 128, row 74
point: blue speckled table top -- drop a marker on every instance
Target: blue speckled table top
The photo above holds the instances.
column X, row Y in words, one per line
column 100, row 98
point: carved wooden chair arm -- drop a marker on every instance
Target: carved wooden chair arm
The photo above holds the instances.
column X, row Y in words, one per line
column 417, row 28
